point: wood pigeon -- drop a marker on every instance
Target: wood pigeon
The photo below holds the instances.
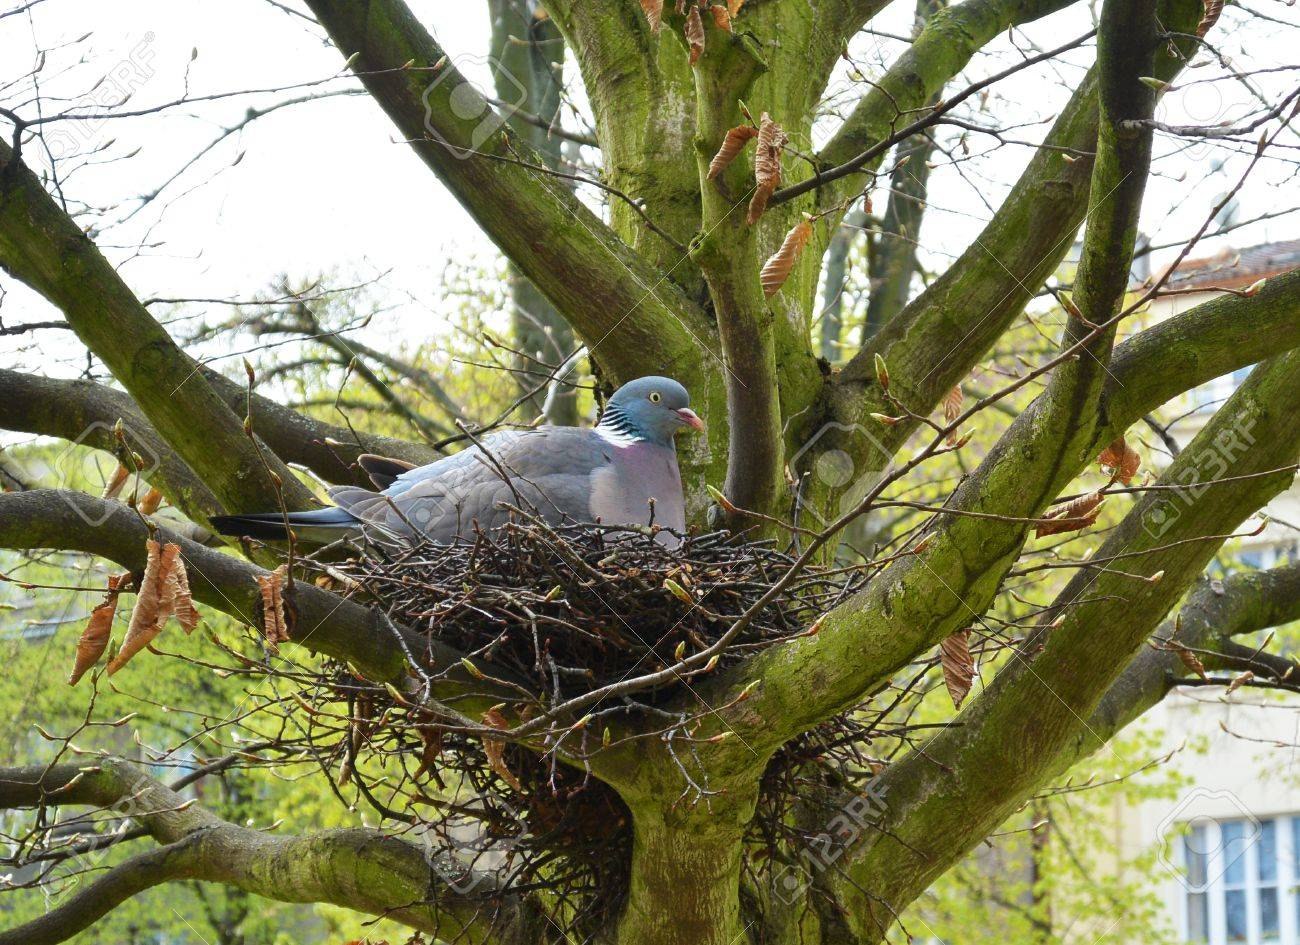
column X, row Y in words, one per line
column 608, row 473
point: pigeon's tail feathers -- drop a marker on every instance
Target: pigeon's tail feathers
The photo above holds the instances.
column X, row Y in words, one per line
column 382, row 470
column 324, row 525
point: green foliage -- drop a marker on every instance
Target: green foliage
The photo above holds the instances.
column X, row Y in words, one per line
column 196, row 699
column 173, row 710
column 1055, row 871
column 1056, row 868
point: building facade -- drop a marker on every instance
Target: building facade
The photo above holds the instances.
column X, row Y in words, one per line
column 1230, row 840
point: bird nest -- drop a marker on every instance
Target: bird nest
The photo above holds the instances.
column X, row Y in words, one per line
column 557, row 613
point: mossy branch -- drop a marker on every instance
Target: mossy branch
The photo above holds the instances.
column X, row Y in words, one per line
column 726, row 251
column 972, row 776
column 635, row 320
column 85, row 413
column 42, row 246
column 1206, row 623
column 948, row 42
column 326, row 624
column 1193, row 347
column 360, row 869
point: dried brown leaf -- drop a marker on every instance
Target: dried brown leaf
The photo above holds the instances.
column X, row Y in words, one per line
column 721, row 17
column 1211, row 16
column 153, row 603
column 113, row 487
column 1076, row 514
column 733, row 7
column 1239, row 681
column 694, row 30
column 958, row 666
column 431, row 748
column 274, row 628
column 654, row 13
column 1123, row 461
column 363, row 712
column 495, row 748
column 149, row 504
column 779, row 265
column 952, row 402
column 1191, row 660
column 732, row 145
column 359, row 729
column 94, row 639
column 767, row 165
column 187, row 614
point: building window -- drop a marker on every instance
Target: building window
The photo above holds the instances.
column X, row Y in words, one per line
column 1252, row 558
column 1240, row 882
column 1262, row 557
column 1198, row 895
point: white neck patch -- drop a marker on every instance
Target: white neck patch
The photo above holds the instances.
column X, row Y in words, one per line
column 616, row 437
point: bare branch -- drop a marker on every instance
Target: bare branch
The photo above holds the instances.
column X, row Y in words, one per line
column 633, row 319
column 44, row 247
column 85, row 413
column 403, row 880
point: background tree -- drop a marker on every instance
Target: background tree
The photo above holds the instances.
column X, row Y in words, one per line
column 711, row 274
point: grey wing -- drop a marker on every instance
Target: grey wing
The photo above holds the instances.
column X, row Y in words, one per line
column 547, row 470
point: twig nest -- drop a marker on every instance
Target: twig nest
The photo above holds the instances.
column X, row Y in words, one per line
column 559, row 612
column 573, row 608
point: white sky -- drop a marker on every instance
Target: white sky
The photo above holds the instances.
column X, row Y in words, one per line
column 323, row 187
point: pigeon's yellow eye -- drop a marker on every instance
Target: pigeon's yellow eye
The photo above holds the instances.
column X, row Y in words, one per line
column 654, row 397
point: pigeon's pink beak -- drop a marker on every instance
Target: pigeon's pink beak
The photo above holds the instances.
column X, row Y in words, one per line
column 690, row 418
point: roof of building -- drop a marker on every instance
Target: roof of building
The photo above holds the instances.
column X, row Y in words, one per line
column 1237, row 268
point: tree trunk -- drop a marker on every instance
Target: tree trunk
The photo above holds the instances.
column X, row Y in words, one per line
column 529, row 57
column 684, row 883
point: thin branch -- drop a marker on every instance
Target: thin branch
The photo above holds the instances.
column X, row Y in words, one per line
column 822, row 177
